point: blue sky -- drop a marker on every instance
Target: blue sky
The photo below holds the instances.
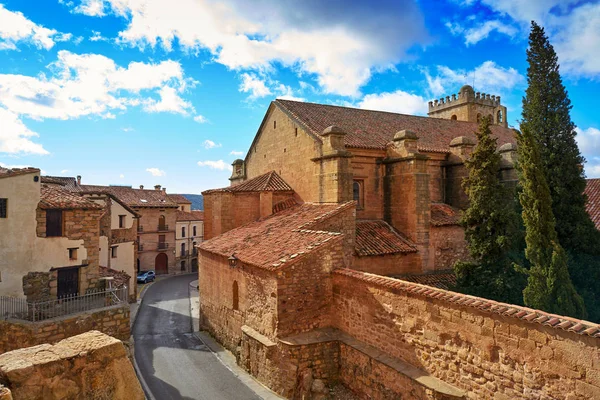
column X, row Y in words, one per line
column 171, row 92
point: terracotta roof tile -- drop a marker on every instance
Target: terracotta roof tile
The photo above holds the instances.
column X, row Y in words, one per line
column 269, row 182
column 374, row 129
column 532, row 316
column 443, row 214
column 133, row 197
column 439, row 279
column 592, row 190
column 54, row 197
column 8, row 172
column 121, row 278
column 190, row 216
column 179, row 199
column 280, row 239
column 378, row 238
column 67, row 181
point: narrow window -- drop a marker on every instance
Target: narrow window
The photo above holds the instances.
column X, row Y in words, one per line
column 182, row 249
column 54, row 223
column 162, row 226
column 194, row 230
column 478, row 117
column 3, row 208
column 183, row 266
column 499, row 119
column 121, row 221
column 296, row 132
column 113, row 251
column 236, row 296
column 453, row 118
column 357, row 193
column 183, row 231
column 274, row 124
column 73, row 254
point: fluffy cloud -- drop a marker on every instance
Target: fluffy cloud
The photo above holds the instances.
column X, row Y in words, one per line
column 209, row 144
column 236, row 153
column 156, row 171
column 253, row 85
column 170, row 101
column 398, row 102
column 15, row 137
column 588, row 141
column 220, row 164
column 339, row 43
column 93, row 8
column 480, row 32
column 489, row 77
column 15, row 27
column 200, row 119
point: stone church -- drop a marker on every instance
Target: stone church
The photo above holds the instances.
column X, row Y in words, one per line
column 322, row 265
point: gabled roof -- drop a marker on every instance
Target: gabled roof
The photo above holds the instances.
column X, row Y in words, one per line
column 132, row 197
column 592, row 190
column 269, row 182
column 68, row 182
column 54, row 197
column 378, row 238
column 190, row 216
column 444, row 215
column 280, row 239
column 8, row 172
column 374, row 129
column 179, row 199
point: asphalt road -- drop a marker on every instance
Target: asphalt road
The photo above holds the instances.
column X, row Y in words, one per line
column 174, row 363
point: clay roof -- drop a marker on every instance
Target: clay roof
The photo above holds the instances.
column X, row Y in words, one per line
column 378, row 238
column 269, row 182
column 490, row 306
column 179, row 199
column 8, row 172
column 374, row 129
column 279, row 240
column 439, row 279
column 133, row 197
column 592, row 190
column 443, row 215
column 54, row 197
column 190, row 216
column 67, row 181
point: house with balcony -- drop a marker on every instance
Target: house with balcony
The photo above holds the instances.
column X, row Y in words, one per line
column 189, row 233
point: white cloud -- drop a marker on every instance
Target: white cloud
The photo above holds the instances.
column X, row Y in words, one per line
column 93, row 8
column 170, row 101
column 340, row 44
column 287, row 93
column 254, row 85
column 489, row 77
column 15, row 27
column 220, row 164
column 588, row 141
column 122, row 176
column 236, row 153
column 127, row 129
column 480, row 32
column 64, row 171
column 209, row 144
column 156, row 171
column 97, row 37
column 15, row 137
column 398, row 102
column 200, row 119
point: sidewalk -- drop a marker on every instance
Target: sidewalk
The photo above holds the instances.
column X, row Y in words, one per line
column 224, row 355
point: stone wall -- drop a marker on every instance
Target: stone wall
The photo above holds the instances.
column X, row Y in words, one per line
column 149, row 236
column 16, row 334
column 368, row 170
column 469, row 342
column 448, row 245
column 389, row 264
column 88, row 366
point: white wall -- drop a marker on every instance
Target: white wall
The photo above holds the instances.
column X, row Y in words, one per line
column 125, row 261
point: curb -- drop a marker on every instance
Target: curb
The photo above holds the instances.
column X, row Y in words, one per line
column 140, row 377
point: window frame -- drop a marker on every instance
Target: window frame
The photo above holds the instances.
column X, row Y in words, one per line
column 113, row 251
column 73, row 253
column 3, row 207
column 122, row 220
column 360, row 202
column 58, row 230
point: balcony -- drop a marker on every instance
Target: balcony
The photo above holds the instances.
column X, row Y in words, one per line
column 162, row 246
column 140, row 247
column 162, row 228
column 140, row 228
column 184, row 253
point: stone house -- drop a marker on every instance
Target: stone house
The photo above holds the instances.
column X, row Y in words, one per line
column 49, row 246
column 188, row 235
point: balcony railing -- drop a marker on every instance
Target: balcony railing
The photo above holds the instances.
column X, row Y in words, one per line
column 183, row 253
column 140, row 228
column 140, row 247
column 161, row 228
column 162, row 246
column 194, row 252
column 18, row 308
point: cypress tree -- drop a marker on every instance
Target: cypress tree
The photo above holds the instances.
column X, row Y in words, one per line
column 490, row 225
column 549, row 285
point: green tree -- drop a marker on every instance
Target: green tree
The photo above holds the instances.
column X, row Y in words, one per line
column 490, row 226
column 549, row 285
column 546, row 116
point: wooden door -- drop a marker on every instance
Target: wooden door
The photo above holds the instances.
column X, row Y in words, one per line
column 161, row 264
column 68, row 282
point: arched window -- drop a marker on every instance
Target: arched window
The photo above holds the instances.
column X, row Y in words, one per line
column 478, row 117
column 453, row 118
column 499, row 117
column 491, row 119
column 183, row 231
column 182, row 249
column 357, row 193
column 236, row 296
column 161, row 223
column 194, row 230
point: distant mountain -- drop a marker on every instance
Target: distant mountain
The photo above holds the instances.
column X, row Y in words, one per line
column 197, row 201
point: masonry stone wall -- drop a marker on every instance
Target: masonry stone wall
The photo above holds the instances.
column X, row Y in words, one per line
column 368, row 170
column 389, row 264
column 486, row 354
column 343, row 222
column 448, row 245
column 16, row 334
column 88, row 366
column 455, row 195
column 149, row 237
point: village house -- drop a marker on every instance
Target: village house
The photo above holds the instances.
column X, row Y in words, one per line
column 188, row 234
column 296, row 273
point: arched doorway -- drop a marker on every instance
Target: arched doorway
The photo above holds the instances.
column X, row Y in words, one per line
column 161, row 264
column 161, row 223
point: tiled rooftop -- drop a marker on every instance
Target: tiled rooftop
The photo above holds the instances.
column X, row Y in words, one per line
column 374, row 129
column 443, row 215
column 592, row 190
column 378, row 238
column 55, row 197
column 509, row 310
column 7, row 172
column 133, row 197
column 440, row 279
column 67, row 181
column 190, row 216
column 280, row 239
column 179, row 199
column 269, row 182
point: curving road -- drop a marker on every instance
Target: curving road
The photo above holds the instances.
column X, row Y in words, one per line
column 173, row 362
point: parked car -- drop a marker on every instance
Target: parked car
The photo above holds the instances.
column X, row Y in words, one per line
column 145, row 276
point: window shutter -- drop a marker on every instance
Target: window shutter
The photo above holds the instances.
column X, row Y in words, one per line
column 53, row 222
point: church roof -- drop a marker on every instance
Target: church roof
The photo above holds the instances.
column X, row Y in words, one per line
column 268, row 182
column 278, row 240
column 444, row 215
column 375, row 129
column 379, row 238
column 592, row 190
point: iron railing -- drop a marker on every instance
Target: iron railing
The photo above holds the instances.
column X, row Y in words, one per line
column 163, row 227
column 140, row 247
column 183, row 253
column 18, row 308
column 162, row 246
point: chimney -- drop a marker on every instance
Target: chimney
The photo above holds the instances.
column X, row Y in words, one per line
column 142, row 187
column 164, row 190
column 78, row 180
column 156, row 187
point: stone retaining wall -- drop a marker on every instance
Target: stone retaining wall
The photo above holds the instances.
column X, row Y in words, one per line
column 16, row 334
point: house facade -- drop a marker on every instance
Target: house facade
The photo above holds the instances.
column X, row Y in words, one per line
column 188, row 235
